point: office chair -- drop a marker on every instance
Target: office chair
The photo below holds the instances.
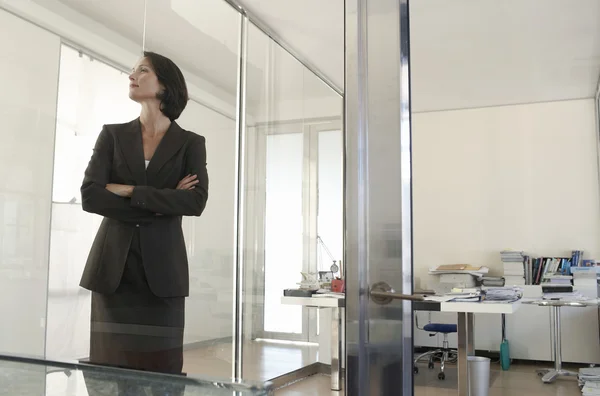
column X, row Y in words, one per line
column 444, row 354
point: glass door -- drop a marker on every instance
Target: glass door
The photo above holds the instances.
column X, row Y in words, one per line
column 378, row 197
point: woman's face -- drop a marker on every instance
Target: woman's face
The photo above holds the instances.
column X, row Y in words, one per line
column 143, row 83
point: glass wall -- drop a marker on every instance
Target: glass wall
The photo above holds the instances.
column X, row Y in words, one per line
column 28, row 108
column 91, row 93
column 294, row 149
column 289, row 182
column 206, row 45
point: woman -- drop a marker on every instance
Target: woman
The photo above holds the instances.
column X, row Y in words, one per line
column 142, row 177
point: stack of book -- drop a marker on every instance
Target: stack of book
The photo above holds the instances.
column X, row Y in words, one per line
column 514, row 267
column 492, row 281
column 589, row 381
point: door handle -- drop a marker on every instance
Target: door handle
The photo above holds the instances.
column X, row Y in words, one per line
column 381, row 293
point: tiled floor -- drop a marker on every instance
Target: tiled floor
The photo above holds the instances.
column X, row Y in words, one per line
column 520, row 380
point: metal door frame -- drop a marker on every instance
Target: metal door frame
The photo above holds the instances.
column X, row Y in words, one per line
column 378, row 208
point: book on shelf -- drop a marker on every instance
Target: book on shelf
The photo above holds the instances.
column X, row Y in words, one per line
column 549, row 269
column 522, row 269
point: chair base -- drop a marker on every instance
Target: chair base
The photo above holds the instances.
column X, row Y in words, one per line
column 442, row 355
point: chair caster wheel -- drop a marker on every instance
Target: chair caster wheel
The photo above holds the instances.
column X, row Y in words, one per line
column 431, row 366
column 441, row 376
column 416, row 370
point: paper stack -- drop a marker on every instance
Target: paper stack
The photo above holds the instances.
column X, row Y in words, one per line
column 502, row 294
column 465, row 295
column 459, row 269
column 514, row 268
column 572, row 296
column 589, row 381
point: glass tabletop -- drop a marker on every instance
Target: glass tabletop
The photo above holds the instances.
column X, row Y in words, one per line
column 561, row 303
column 30, row 377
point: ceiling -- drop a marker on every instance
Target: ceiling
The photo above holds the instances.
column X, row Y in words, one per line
column 313, row 28
column 477, row 53
column 464, row 53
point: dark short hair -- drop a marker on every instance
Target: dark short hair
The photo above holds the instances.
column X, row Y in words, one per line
column 174, row 98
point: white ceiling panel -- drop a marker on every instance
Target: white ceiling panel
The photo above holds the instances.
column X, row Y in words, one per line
column 464, row 53
column 476, row 53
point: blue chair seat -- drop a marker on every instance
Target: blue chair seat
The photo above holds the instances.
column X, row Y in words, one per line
column 440, row 328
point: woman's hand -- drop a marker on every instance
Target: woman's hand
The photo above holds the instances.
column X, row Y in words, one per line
column 121, row 190
column 187, row 183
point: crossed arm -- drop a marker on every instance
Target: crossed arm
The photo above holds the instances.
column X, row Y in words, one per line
column 141, row 204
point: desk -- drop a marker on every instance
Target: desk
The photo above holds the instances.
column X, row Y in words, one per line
column 549, row 376
column 464, row 311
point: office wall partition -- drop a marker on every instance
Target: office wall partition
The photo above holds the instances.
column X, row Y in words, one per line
column 274, row 142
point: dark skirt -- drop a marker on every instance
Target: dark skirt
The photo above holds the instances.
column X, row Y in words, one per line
column 133, row 328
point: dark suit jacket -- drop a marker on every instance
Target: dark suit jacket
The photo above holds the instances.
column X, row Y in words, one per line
column 119, row 158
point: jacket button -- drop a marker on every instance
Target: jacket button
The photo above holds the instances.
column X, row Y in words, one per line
column 137, row 225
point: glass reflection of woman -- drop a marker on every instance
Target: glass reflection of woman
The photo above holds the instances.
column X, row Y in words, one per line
column 143, row 176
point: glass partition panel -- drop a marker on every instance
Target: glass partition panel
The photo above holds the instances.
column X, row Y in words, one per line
column 274, row 210
column 323, row 109
column 287, row 110
column 292, row 143
column 53, row 118
column 205, row 46
column 28, row 113
column 91, row 93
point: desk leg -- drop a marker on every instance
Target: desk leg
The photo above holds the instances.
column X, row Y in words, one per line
column 336, row 349
column 550, row 376
column 463, row 341
column 470, row 334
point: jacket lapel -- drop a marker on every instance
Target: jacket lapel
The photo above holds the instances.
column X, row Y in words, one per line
column 132, row 149
column 170, row 144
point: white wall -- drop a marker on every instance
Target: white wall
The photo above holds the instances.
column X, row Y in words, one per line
column 29, row 69
column 512, row 177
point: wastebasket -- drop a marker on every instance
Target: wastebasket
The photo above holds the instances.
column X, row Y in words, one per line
column 479, row 375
